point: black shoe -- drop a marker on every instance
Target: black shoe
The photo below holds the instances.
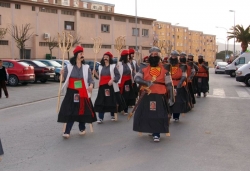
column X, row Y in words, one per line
column 176, row 119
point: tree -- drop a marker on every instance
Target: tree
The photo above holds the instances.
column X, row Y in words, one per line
column 52, row 43
column 3, row 31
column 21, row 35
column 242, row 35
column 76, row 40
column 222, row 54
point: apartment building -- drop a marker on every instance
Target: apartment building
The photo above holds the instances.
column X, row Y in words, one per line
column 88, row 19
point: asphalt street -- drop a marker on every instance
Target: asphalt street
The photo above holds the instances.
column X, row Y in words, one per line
column 214, row 136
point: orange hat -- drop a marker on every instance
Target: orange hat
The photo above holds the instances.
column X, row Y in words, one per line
column 109, row 54
column 145, row 58
column 131, row 51
column 78, row 49
column 125, row 52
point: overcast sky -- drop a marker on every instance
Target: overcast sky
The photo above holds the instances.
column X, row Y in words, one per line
column 200, row 15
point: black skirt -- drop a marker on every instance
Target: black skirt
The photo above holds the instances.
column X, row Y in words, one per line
column 109, row 101
column 202, row 84
column 1, row 148
column 136, row 89
column 182, row 104
column 151, row 115
column 191, row 92
column 69, row 111
column 129, row 93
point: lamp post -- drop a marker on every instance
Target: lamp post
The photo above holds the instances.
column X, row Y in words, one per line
column 234, row 28
column 136, row 36
column 225, row 46
column 227, row 38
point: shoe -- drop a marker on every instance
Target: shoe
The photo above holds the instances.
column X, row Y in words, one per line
column 100, row 121
column 66, row 136
column 7, row 96
column 112, row 118
column 176, row 119
column 198, row 96
column 82, row 132
column 205, row 94
column 156, row 139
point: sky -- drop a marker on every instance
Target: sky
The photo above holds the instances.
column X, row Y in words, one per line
column 199, row 15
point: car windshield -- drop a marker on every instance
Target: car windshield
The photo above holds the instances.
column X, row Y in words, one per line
column 23, row 63
column 40, row 64
column 56, row 64
column 222, row 63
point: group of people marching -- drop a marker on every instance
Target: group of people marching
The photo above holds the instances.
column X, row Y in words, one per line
column 156, row 89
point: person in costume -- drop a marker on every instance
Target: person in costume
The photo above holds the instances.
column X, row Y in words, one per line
column 152, row 108
column 126, row 81
column 145, row 59
column 78, row 82
column 179, row 76
column 135, row 69
column 108, row 98
column 202, row 77
column 1, row 150
column 192, row 68
column 3, row 80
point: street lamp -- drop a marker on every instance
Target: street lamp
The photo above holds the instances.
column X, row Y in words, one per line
column 227, row 38
column 234, row 29
column 225, row 46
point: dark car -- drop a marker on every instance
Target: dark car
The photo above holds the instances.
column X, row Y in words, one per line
column 42, row 72
column 91, row 65
column 54, row 64
column 19, row 72
column 66, row 62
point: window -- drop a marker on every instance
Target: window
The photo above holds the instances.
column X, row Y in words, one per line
column 8, row 64
column 89, row 15
column 132, row 20
column 146, row 22
column 4, row 42
column 109, row 9
column 122, row 19
column 240, row 61
column 33, row 8
column 17, row 6
column 68, row 25
column 0, row 19
column 106, row 46
column 48, row 10
column 43, row 44
column 135, row 32
column 145, row 32
column 105, row 17
column 145, row 48
column 132, row 47
column 85, row 5
column 105, row 28
column 100, row 8
column 6, row 5
column 87, row 45
column 67, row 12
column 95, row 7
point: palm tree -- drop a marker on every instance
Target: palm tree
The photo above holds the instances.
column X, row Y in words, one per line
column 242, row 35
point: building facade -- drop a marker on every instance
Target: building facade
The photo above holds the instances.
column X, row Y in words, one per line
column 89, row 19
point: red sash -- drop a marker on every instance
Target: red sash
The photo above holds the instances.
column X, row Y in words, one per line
column 82, row 92
column 104, row 80
column 124, row 79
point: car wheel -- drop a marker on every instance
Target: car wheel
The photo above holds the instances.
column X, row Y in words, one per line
column 43, row 81
column 25, row 83
column 247, row 81
column 232, row 74
column 35, row 81
column 57, row 77
column 13, row 80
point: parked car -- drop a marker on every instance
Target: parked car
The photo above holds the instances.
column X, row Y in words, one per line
column 216, row 61
column 42, row 71
column 19, row 72
column 237, row 63
column 243, row 74
column 91, row 64
column 66, row 62
column 54, row 64
column 220, row 67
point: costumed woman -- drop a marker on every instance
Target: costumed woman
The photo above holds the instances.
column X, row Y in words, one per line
column 152, row 112
column 126, row 81
column 76, row 105
column 108, row 98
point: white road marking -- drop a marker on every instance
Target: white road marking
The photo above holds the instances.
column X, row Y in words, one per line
column 218, row 92
column 242, row 93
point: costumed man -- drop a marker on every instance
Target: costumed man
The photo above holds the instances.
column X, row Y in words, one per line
column 202, row 77
column 135, row 69
column 1, row 150
column 165, row 60
column 127, row 80
column 76, row 105
column 152, row 108
column 108, row 98
column 179, row 76
column 192, row 68
column 3, row 80
column 145, row 59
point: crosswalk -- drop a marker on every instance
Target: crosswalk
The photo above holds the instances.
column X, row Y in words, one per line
column 235, row 93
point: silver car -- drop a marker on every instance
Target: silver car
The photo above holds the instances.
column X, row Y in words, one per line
column 220, row 67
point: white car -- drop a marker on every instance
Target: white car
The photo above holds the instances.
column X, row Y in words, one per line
column 220, row 67
column 243, row 74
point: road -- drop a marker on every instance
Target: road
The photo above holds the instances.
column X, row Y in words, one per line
column 214, row 136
